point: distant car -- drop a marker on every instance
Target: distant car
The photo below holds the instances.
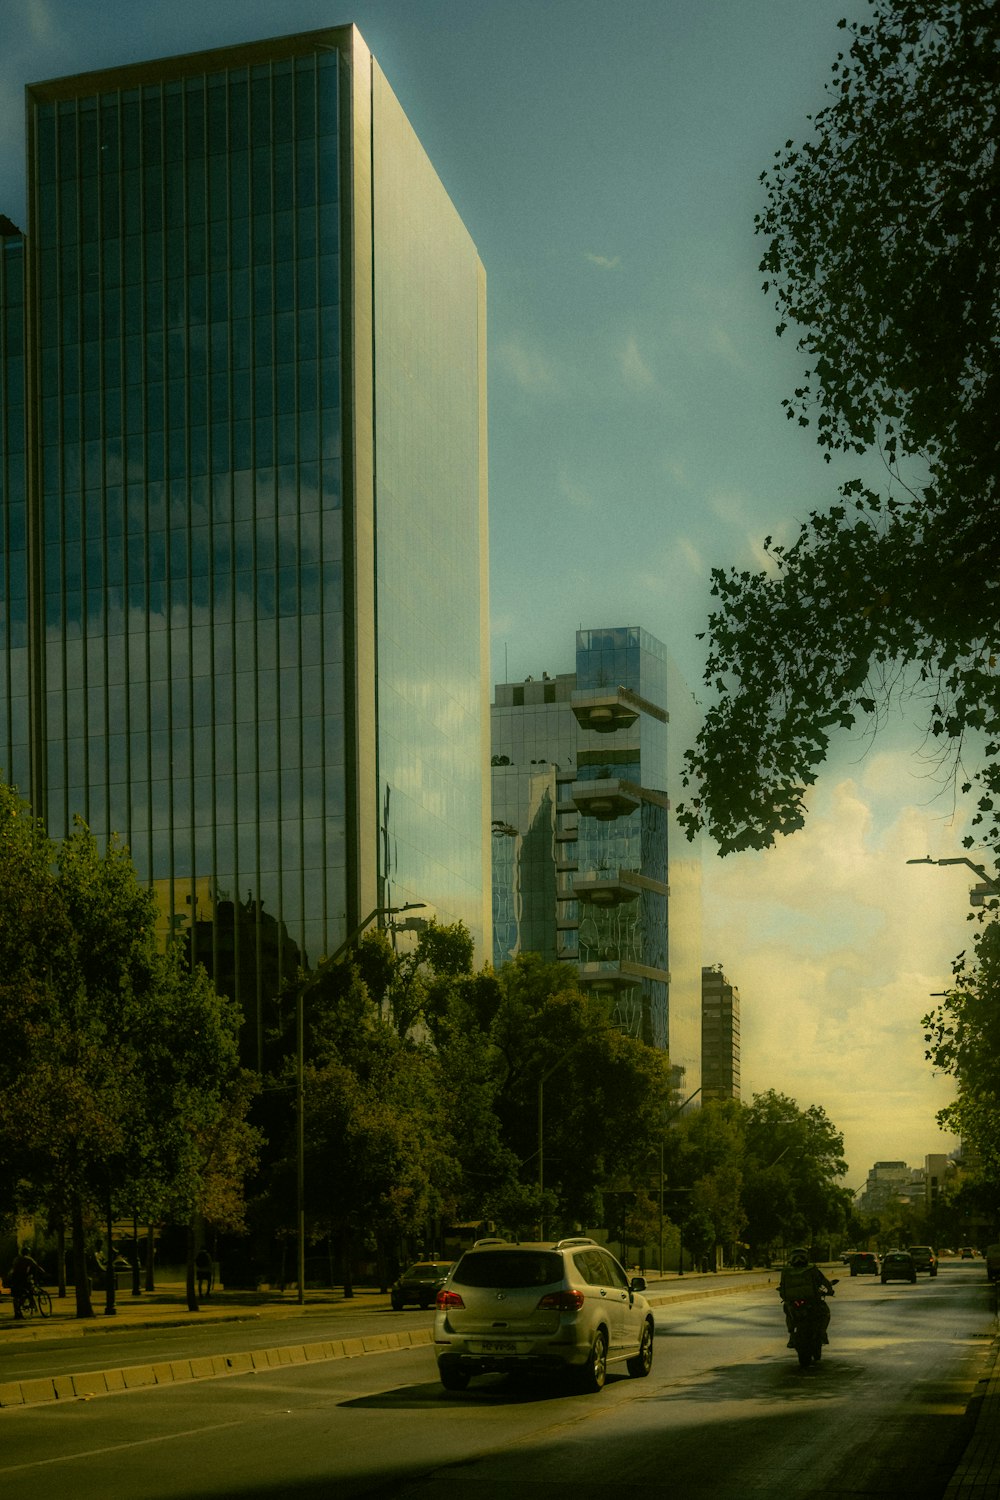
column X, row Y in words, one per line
column 420, row 1284
column 967, row 1253
column 924, row 1258
column 864, row 1263
column 846, row 1256
column 898, row 1265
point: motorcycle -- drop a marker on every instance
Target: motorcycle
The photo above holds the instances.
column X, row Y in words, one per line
column 809, row 1327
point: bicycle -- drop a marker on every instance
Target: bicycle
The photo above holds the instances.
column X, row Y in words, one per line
column 34, row 1299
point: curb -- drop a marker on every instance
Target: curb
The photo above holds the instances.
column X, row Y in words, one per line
column 42, row 1390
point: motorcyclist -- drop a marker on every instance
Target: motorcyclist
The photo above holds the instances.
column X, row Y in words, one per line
column 802, row 1281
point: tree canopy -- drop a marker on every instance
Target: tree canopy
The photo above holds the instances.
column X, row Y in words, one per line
column 882, row 250
column 120, row 1088
column 768, row 1170
column 963, row 1037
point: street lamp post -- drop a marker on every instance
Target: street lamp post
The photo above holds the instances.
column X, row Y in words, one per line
column 300, row 1136
column 663, row 1126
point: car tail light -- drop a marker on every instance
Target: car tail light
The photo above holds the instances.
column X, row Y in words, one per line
column 570, row 1301
column 446, row 1299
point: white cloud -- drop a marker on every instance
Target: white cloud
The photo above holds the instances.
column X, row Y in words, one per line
column 576, row 493
column 635, row 369
column 605, row 262
column 526, row 365
column 836, row 947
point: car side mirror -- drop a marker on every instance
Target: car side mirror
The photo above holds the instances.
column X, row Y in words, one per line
column 637, row 1284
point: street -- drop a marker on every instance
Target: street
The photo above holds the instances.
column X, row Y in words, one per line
column 725, row 1412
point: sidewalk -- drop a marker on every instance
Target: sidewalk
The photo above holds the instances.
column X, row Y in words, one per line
column 977, row 1475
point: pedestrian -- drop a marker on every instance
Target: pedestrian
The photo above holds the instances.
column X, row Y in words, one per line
column 204, row 1268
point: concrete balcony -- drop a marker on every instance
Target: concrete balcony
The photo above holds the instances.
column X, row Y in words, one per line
column 605, row 889
column 606, row 710
column 606, row 798
column 606, row 977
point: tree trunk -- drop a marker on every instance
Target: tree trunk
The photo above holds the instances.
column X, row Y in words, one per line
column 109, row 1270
column 150, row 1258
column 136, row 1288
column 61, row 1257
column 192, row 1286
column 347, row 1247
column 84, row 1306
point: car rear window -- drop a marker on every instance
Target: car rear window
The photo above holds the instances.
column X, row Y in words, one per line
column 510, row 1268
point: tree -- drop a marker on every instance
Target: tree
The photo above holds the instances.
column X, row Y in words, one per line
column 794, row 1158
column 963, row 1037
column 883, row 248
column 379, row 1161
column 120, row 1078
column 602, row 1093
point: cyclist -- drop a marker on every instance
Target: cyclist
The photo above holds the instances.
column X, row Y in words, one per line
column 23, row 1274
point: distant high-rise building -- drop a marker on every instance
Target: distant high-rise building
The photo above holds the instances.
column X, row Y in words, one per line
column 245, row 516
column 588, row 866
column 720, row 1036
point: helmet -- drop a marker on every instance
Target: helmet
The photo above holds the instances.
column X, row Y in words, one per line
column 798, row 1257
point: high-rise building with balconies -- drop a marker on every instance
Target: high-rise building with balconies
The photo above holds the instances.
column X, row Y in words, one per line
column 243, row 470
column 589, row 866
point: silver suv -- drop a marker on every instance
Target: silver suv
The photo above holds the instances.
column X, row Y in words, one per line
column 567, row 1307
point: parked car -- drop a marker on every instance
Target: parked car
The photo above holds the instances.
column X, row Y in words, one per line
column 898, row 1265
column 993, row 1262
column 420, row 1283
column 846, row 1256
column 557, row 1308
column 924, row 1258
column 864, row 1263
column 967, row 1253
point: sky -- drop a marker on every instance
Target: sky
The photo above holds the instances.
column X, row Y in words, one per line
column 605, row 157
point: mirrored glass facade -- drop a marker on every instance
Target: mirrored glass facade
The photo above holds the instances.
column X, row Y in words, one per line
column 607, row 734
column 259, row 497
column 14, row 664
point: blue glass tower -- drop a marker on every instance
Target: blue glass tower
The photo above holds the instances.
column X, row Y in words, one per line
column 589, row 867
column 255, row 334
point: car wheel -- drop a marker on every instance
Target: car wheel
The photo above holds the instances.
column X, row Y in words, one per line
column 934, row 1271
column 424, row 1303
column 452, row 1378
column 595, row 1371
column 853, row 1271
column 913, row 1279
column 397, row 1304
column 884, row 1279
column 640, row 1364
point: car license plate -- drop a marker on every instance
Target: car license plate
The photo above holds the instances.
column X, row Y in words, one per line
column 498, row 1346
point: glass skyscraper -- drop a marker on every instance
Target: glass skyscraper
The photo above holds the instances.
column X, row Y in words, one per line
column 249, row 500
column 589, row 867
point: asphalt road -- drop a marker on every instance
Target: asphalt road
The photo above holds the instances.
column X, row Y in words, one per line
column 725, row 1412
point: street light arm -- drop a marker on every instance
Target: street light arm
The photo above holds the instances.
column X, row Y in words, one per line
column 961, row 859
column 352, row 937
